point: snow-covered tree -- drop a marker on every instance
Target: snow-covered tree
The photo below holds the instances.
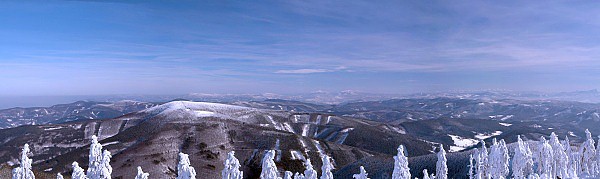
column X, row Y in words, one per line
column 587, row 151
column 522, row 161
column 483, row 165
column 573, row 159
column 78, row 172
column 441, row 168
column 24, row 170
column 546, row 158
column 141, row 174
column 95, row 159
column 561, row 160
column 426, row 174
column 597, row 164
column 298, row 176
column 184, row 168
column 479, row 165
column 232, row 167
column 401, row 170
column 533, row 176
column 498, row 159
column 362, row 175
column 269, row 169
column 326, row 167
column 59, row 176
column 471, row 167
column 105, row 168
column 309, row 173
column 287, row 175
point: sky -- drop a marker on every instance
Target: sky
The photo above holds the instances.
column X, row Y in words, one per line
column 178, row 47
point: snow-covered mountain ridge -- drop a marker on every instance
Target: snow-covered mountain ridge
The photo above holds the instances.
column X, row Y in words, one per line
column 151, row 138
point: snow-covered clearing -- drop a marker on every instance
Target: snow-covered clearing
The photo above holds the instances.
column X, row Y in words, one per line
column 461, row 143
column 483, row 136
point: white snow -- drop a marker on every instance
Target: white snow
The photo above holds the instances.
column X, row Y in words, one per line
column 201, row 113
column 110, row 143
column 483, row 136
column 505, row 124
column 288, row 127
column 318, row 146
column 506, row 117
column 305, row 130
column 297, row 155
column 461, row 143
column 200, row 109
column 347, row 129
column 52, row 128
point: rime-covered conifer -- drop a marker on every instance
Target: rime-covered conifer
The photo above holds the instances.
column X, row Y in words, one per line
column 231, row 169
column 24, row 170
column 141, row 174
column 362, row 175
column 269, row 169
column 401, row 170
column 441, row 171
column 184, row 168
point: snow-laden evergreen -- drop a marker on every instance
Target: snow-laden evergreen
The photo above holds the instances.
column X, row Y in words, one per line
column 522, row 163
column 482, row 162
column 78, row 172
column 141, row 174
column 426, row 174
column 231, row 168
column 479, row 168
column 298, row 176
column 546, row 158
column 326, row 167
column 573, row 163
column 105, row 168
column 597, row 164
column 401, row 170
column 269, row 169
column 99, row 162
column 441, row 170
column 471, row 167
column 287, row 175
column 94, row 170
column 551, row 158
column 587, row 152
column 310, row 172
column 362, row 175
column 498, row 159
column 24, row 170
column 560, row 160
column 184, row 168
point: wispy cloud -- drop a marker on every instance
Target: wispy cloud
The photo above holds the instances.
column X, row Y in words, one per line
column 215, row 43
column 303, row 71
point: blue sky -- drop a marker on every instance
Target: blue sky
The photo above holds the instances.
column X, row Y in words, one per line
column 163, row 47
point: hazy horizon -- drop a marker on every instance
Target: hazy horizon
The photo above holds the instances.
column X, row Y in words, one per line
column 150, row 47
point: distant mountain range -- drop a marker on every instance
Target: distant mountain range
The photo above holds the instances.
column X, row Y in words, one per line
column 355, row 133
column 80, row 110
